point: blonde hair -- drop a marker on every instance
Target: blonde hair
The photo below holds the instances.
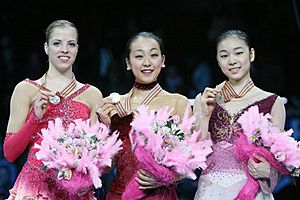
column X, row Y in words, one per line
column 59, row 23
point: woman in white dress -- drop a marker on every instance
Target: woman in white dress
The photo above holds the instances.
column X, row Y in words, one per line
column 218, row 110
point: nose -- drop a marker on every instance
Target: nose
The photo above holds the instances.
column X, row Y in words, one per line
column 64, row 48
column 146, row 62
column 231, row 60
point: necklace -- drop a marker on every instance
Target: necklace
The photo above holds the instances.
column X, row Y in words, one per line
column 228, row 92
column 144, row 87
column 55, row 99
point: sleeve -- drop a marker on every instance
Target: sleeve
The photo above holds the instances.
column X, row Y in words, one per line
column 15, row 143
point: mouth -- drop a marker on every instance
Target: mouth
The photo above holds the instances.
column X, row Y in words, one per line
column 64, row 58
column 235, row 69
column 147, row 71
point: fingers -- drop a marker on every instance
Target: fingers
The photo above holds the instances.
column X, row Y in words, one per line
column 260, row 169
column 260, row 159
column 40, row 102
column 105, row 110
column 83, row 192
column 146, row 181
column 210, row 93
column 208, row 100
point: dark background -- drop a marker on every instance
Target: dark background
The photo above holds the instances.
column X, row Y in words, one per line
column 188, row 28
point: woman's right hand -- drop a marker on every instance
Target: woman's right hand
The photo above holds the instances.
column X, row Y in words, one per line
column 208, row 100
column 104, row 112
column 40, row 103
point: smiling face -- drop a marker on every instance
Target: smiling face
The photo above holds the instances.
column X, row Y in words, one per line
column 62, row 48
column 145, row 59
column 234, row 58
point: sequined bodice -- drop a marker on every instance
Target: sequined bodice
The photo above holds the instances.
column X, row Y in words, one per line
column 34, row 183
column 221, row 127
column 68, row 110
column 126, row 162
column 222, row 124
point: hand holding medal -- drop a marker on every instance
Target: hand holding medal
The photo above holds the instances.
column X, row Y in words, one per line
column 56, row 98
column 107, row 108
column 41, row 101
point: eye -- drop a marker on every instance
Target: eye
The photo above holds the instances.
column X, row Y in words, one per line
column 72, row 44
column 56, row 43
column 223, row 55
column 138, row 56
column 239, row 52
column 154, row 55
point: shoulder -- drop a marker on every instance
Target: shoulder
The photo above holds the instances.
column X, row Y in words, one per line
column 178, row 99
column 219, row 86
column 277, row 101
column 92, row 91
column 26, row 87
column 175, row 96
column 198, row 97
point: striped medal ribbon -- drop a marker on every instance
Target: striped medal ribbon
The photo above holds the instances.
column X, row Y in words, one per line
column 149, row 97
column 228, row 92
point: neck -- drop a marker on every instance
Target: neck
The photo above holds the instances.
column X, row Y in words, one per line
column 59, row 77
column 238, row 85
column 144, row 87
column 56, row 81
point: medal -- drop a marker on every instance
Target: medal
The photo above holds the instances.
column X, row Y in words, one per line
column 115, row 97
column 54, row 99
column 219, row 99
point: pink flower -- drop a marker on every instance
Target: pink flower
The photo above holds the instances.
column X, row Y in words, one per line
column 260, row 131
column 80, row 147
column 170, row 140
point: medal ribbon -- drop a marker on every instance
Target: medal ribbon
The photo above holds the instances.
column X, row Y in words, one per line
column 148, row 98
column 228, row 92
column 64, row 92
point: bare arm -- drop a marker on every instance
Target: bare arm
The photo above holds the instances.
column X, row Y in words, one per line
column 20, row 132
column 278, row 114
column 20, row 104
column 182, row 104
column 202, row 119
column 95, row 101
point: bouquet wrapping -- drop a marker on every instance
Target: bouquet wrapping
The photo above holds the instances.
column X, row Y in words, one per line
column 79, row 153
column 165, row 146
column 258, row 136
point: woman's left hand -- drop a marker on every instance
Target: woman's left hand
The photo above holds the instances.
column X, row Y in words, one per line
column 146, row 181
column 83, row 192
column 259, row 168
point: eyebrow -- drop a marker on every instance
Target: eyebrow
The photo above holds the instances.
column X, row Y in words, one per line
column 150, row 49
column 236, row 48
column 61, row 40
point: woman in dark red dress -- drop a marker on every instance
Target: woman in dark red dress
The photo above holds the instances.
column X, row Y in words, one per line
column 145, row 58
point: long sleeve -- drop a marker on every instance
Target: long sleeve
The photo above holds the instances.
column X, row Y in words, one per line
column 15, row 143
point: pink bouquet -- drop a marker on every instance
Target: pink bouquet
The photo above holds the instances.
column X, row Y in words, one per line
column 259, row 137
column 165, row 146
column 79, row 152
